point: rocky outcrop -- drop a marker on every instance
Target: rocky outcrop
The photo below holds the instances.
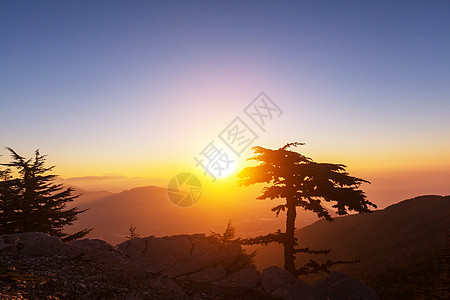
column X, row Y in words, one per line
column 186, row 256
column 37, row 244
column 171, row 260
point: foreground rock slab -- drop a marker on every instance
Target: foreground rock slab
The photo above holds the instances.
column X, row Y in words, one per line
column 199, row 257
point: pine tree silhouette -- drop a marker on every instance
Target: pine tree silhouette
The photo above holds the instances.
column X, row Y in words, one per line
column 33, row 201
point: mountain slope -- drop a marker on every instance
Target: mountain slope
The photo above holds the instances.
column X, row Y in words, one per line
column 147, row 208
column 86, row 196
column 397, row 247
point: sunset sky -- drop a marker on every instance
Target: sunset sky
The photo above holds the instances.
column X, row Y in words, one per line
column 139, row 88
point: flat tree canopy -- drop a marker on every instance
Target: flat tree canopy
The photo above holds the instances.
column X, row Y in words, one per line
column 302, row 182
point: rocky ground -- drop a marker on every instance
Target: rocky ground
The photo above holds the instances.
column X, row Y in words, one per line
column 60, row 277
column 38, row 266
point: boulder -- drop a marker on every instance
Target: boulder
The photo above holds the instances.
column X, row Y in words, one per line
column 274, row 278
column 246, row 278
column 339, row 286
column 298, row 290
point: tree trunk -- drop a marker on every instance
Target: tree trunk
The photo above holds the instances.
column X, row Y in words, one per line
column 289, row 253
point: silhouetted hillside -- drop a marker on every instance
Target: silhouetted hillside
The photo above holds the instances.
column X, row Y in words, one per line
column 147, row 208
column 86, row 196
column 397, row 246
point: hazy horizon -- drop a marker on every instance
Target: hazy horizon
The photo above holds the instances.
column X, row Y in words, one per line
column 385, row 188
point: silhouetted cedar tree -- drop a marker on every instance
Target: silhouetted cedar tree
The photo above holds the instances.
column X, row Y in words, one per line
column 32, row 201
column 300, row 181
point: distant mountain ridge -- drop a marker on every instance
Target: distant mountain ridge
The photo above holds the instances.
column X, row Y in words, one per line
column 114, row 183
column 149, row 209
column 111, row 215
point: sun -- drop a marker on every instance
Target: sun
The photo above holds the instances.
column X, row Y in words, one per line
column 226, row 168
column 227, row 172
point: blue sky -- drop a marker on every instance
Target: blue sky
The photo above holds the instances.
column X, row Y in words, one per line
column 135, row 87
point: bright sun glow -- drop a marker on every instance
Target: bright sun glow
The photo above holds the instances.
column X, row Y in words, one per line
column 228, row 172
